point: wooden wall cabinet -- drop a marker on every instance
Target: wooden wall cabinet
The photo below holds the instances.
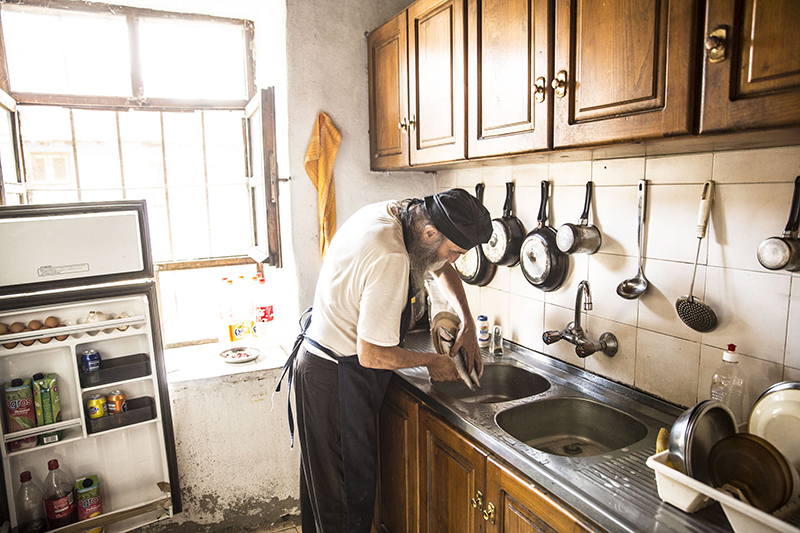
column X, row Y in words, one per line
column 417, row 96
column 751, row 67
column 444, row 481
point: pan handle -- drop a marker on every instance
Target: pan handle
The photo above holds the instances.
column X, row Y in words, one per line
column 479, row 188
column 587, row 203
column 794, row 212
column 705, row 208
column 507, row 205
column 542, row 218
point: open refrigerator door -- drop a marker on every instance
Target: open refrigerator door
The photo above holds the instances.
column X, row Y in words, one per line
column 83, row 330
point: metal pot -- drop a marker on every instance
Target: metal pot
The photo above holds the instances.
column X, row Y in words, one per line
column 543, row 264
column 581, row 238
column 693, row 435
column 473, row 267
column 783, row 253
column 507, row 234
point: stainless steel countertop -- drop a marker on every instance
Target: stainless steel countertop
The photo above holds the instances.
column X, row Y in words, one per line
column 615, row 490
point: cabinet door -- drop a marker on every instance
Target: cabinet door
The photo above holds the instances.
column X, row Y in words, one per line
column 436, row 81
column 398, row 424
column 521, row 508
column 617, row 75
column 388, row 95
column 452, row 471
column 753, row 81
column 508, row 64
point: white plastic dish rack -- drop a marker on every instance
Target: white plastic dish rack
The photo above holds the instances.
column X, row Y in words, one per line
column 690, row 495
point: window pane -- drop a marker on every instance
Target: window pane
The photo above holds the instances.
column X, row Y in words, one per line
column 188, row 211
column 61, row 52
column 98, row 151
column 158, row 218
column 142, row 157
column 229, row 220
column 182, row 59
column 47, row 146
column 225, row 157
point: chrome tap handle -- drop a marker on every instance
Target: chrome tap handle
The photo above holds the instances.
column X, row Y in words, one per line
column 549, row 337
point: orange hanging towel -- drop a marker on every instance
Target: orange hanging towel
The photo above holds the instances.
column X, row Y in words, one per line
column 321, row 154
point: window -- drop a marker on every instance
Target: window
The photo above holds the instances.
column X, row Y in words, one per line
column 141, row 104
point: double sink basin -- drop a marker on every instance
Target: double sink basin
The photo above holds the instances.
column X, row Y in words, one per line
column 561, row 424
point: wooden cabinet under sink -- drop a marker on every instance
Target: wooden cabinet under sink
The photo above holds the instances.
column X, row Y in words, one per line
column 433, row 479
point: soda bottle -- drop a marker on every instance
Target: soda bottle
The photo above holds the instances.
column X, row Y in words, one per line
column 30, row 511
column 59, row 502
column 263, row 314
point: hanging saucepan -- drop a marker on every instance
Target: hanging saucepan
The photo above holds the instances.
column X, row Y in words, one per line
column 783, row 253
column 581, row 238
column 507, row 234
column 543, row 264
column 473, row 267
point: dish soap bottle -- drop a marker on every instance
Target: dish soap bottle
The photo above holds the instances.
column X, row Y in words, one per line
column 728, row 385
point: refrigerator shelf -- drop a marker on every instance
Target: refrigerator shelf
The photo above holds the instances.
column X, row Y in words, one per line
column 41, row 430
column 76, row 328
column 139, row 410
column 118, row 369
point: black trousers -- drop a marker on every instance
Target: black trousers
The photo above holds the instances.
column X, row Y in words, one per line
column 323, row 506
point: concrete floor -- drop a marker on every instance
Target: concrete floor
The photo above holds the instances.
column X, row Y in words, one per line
column 281, row 529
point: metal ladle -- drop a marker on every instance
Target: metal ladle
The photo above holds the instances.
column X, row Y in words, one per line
column 632, row 288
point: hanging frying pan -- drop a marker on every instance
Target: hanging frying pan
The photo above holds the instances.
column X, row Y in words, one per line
column 473, row 267
column 778, row 253
column 507, row 234
column 543, row 264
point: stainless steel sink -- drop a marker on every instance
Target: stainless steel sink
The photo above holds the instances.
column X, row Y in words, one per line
column 571, row 427
column 499, row 383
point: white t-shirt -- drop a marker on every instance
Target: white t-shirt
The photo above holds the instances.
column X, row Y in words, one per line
column 363, row 285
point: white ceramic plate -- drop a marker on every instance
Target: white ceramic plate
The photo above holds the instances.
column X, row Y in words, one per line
column 776, row 419
column 240, row 354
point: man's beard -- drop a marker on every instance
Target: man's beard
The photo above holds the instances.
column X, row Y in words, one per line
column 424, row 258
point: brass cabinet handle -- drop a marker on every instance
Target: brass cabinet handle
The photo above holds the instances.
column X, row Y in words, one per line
column 488, row 513
column 477, row 501
column 403, row 125
column 560, row 84
column 715, row 45
column 413, row 122
column 538, row 91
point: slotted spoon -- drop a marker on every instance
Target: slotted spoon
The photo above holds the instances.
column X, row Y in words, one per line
column 694, row 312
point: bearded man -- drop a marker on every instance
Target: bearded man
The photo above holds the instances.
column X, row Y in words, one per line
column 361, row 312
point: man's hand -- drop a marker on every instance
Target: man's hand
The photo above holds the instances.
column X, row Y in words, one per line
column 467, row 338
column 442, row 368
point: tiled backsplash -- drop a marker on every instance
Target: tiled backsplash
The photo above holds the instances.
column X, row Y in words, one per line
column 757, row 309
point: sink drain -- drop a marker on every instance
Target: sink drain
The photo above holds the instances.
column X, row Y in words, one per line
column 572, row 449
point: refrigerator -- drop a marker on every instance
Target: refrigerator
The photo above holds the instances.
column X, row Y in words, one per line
column 87, row 266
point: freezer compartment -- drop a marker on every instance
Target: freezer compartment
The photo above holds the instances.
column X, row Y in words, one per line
column 139, row 410
column 129, row 464
column 117, row 369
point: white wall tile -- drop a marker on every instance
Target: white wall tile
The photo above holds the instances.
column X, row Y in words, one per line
column 622, row 366
column 556, row 318
column 496, row 176
column 526, row 322
column 520, row 286
column 577, row 271
column 672, row 223
column 447, row 179
column 570, row 173
column 615, row 213
column 695, row 168
column 793, row 331
column 764, row 165
column 667, row 367
column 751, row 309
column 742, row 217
column 606, row 271
column 468, row 178
column 791, row 374
column 668, row 281
column 495, row 305
column 618, row 171
column 529, row 175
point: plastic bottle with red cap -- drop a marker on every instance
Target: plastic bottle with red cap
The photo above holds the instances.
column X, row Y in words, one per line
column 728, row 385
column 59, row 502
column 30, row 510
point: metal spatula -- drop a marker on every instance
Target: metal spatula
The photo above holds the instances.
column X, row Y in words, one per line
column 693, row 311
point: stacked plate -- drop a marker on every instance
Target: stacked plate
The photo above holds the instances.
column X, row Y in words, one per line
column 776, row 418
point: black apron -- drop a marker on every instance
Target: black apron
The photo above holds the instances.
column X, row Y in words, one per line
column 361, row 392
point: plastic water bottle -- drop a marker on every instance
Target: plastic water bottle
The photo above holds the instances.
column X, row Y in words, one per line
column 59, row 501
column 728, row 385
column 30, row 506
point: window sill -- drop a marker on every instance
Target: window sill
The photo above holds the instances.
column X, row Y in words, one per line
column 191, row 363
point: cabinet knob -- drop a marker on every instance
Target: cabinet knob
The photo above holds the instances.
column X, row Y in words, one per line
column 413, row 122
column 477, row 501
column 715, row 45
column 403, row 125
column 538, row 89
column 560, row 84
column 488, row 513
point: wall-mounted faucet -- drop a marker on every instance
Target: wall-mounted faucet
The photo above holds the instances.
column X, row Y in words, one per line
column 574, row 333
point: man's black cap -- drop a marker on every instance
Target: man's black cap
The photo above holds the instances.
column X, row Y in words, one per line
column 461, row 217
